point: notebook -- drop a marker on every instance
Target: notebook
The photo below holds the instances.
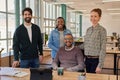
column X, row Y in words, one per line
column 9, row 71
column 41, row 74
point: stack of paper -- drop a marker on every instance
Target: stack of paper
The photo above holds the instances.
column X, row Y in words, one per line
column 11, row 72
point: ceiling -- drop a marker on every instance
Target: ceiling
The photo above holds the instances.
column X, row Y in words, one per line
column 86, row 6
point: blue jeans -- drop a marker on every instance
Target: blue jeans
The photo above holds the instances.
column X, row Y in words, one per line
column 32, row 63
column 91, row 64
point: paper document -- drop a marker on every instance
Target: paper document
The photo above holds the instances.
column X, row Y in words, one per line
column 12, row 72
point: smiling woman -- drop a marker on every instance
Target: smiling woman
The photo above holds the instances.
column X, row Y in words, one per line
column 95, row 43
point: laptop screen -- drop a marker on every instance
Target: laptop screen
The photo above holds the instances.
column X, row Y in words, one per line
column 40, row 74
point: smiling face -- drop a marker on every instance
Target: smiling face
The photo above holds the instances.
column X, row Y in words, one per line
column 68, row 40
column 60, row 23
column 94, row 18
column 27, row 16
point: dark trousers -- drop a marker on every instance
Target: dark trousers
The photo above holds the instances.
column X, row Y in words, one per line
column 91, row 64
column 32, row 63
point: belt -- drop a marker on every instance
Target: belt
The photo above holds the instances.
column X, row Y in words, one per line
column 88, row 56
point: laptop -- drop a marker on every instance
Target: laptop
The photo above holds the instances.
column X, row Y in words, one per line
column 40, row 74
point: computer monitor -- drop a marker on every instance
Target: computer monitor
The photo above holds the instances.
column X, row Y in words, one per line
column 41, row 74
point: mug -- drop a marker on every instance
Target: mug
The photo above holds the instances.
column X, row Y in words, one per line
column 60, row 70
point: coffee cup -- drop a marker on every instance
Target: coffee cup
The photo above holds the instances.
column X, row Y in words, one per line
column 60, row 70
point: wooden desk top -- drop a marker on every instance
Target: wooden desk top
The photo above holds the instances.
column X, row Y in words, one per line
column 46, row 49
column 113, row 52
column 113, row 77
column 75, row 75
column 67, row 76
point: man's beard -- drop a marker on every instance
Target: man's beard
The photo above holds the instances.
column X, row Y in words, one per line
column 67, row 45
column 27, row 20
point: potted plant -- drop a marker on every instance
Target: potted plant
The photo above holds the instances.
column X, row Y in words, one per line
column 46, row 38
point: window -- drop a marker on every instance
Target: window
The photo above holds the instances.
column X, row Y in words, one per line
column 3, row 5
column 7, row 25
column 3, row 25
column 11, row 6
column 74, row 23
column 11, row 25
column 51, row 13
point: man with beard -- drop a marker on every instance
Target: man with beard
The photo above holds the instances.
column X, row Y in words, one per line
column 27, row 43
column 69, row 57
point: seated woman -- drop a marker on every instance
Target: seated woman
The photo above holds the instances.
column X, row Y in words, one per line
column 69, row 57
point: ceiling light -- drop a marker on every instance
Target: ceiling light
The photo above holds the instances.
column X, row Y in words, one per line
column 114, row 13
column 113, row 9
column 76, row 10
column 84, row 14
column 61, row 3
column 109, row 0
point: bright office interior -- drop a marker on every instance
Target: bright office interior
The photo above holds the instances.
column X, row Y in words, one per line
column 45, row 13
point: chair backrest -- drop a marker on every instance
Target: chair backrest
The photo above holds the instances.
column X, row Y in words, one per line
column 41, row 74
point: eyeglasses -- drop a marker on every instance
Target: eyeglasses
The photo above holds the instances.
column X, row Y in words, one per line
column 68, row 38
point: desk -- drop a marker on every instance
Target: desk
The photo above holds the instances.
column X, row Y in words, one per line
column 113, row 77
column 67, row 76
column 46, row 52
column 114, row 52
column 74, row 76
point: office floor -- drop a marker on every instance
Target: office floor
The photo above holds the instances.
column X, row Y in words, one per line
column 108, row 63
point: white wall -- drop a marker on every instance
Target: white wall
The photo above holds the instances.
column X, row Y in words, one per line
column 85, row 24
column 110, row 22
